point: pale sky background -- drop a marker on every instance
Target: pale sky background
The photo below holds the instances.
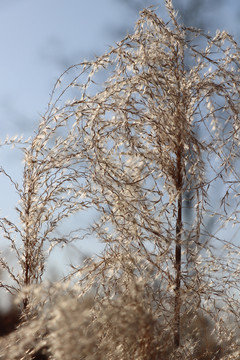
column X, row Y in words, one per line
column 39, row 39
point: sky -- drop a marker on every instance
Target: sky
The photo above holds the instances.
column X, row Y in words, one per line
column 39, row 39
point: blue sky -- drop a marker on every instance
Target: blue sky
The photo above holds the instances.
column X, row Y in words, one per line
column 39, row 39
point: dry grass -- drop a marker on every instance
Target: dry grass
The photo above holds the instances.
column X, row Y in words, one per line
column 151, row 135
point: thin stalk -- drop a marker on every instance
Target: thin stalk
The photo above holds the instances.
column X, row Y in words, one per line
column 178, row 250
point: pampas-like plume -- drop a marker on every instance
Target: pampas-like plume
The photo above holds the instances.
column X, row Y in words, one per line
column 133, row 146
